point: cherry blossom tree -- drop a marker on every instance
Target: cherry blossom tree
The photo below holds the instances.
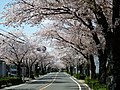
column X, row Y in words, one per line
column 14, row 51
column 95, row 15
column 73, row 36
column 22, row 51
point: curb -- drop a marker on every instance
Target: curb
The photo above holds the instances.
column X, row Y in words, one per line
column 80, row 81
column 13, row 86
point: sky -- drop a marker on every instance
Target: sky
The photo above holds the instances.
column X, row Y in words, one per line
column 28, row 30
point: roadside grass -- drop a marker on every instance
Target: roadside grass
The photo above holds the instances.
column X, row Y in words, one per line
column 95, row 85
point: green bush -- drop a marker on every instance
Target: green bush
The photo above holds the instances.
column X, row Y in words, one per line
column 15, row 80
column 78, row 76
column 82, row 77
column 4, row 81
column 94, row 84
column 10, row 80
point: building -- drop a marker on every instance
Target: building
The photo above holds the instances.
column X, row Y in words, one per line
column 3, row 70
column 12, row 70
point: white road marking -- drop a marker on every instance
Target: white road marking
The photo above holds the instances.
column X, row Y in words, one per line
column 87, row 86
column 14, row 86
column 49, row 83
column 74, row 81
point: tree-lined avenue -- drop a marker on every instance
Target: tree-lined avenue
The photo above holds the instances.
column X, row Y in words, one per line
column 51, row 81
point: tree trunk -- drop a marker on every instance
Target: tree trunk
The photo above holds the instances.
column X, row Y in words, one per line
column 37, row 69
column 116, row 58
column 116, row 45
column 102, row 67
column 67, row 69
column 93, row 67
column 27, row 71
column 81, row 68
column 71, row 70
column 19, row 70
column 42, row 69
column 102, row 60
column 103, row 55
column 88, row 70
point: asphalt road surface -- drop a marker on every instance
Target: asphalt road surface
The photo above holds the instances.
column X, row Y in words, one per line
column 51, row 81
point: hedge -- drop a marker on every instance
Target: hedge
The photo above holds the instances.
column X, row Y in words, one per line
column 10, row 80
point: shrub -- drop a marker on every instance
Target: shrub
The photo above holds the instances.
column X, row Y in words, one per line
column 10, row 80
column 82, row 77
column 4, row 82
column 79, row 76
column 94, row 84
column 15, row 80
column 32, row 76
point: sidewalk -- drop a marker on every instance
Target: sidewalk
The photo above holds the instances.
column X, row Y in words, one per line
column 26, row 80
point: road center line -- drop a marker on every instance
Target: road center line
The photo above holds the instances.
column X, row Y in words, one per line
column 74, row 81
column 49, row 83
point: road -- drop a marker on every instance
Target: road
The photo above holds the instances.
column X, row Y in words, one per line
column 51, row 81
